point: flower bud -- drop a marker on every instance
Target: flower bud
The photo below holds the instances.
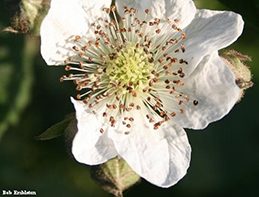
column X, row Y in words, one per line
column 235, row 61
column 26, row 15
column 114, row 176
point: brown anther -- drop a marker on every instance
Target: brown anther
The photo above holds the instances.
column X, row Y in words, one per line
column 77, row 38
column 151, row 60
column 67, row 68
column 173, row 114
column 165, row 67
column 114, row 106
column 161, row 60
column 165, row 55
column 138, row 107
column 176, row 20
column 101, row 130
column 155, row 80
column 107, row 10
column 195, row 102
column 167, row 81
column 127, row 133
column 113, row 8
column 167, row 72
column 166, row 118
column 78, row 96
column 183, row 35
column 131, row 119
column 79, row 88
column 182, row 48
column 124, row 123
column 113, row 123
column 134, row 94
column 84, row 48
column 174, row 26
column 180, row 102
column 151, row 120
column 182, row 75
column 154, row 108
column 181, row 61
column 131, row 104
column 111, row 119
column 100, row 19
column 168, row 87
column 104, row 114
column 121, row 106
column 128, row 126
column 80, row 55
column 177, row 82
column 126, row 118
column 90, row 42
column 181, row 111
column 158, row 31
column 157, row 125
column 128, row 109
column 131, row 83
column 147, row 11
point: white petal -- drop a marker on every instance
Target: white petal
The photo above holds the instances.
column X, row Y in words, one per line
column 183, row 10
column 66, row 19
column 160, row 156
column 209, row 32
column 89, row 145
column 213, row 85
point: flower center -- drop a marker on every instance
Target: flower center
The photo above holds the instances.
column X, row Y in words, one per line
column 131, row 65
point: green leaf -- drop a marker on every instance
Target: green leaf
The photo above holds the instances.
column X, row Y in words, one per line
column 114, row 176
column 57, row 129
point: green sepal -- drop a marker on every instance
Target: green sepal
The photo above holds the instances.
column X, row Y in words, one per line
column 57, row 129
column 235, row 62
column 114, row 176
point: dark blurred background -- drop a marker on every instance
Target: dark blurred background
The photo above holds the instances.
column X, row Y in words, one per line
column 225, row 157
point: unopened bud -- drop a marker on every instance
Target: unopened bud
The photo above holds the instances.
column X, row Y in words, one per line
column 114, row 176
column 235, row 61
column 26, row 15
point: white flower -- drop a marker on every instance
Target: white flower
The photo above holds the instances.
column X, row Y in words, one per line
column 144, row 76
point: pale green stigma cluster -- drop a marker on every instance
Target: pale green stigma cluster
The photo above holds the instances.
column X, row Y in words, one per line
column 130, row 67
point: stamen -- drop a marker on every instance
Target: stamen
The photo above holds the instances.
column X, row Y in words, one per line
column 130, row 65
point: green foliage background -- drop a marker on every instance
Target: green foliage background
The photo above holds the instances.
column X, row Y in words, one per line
column 225, row 158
